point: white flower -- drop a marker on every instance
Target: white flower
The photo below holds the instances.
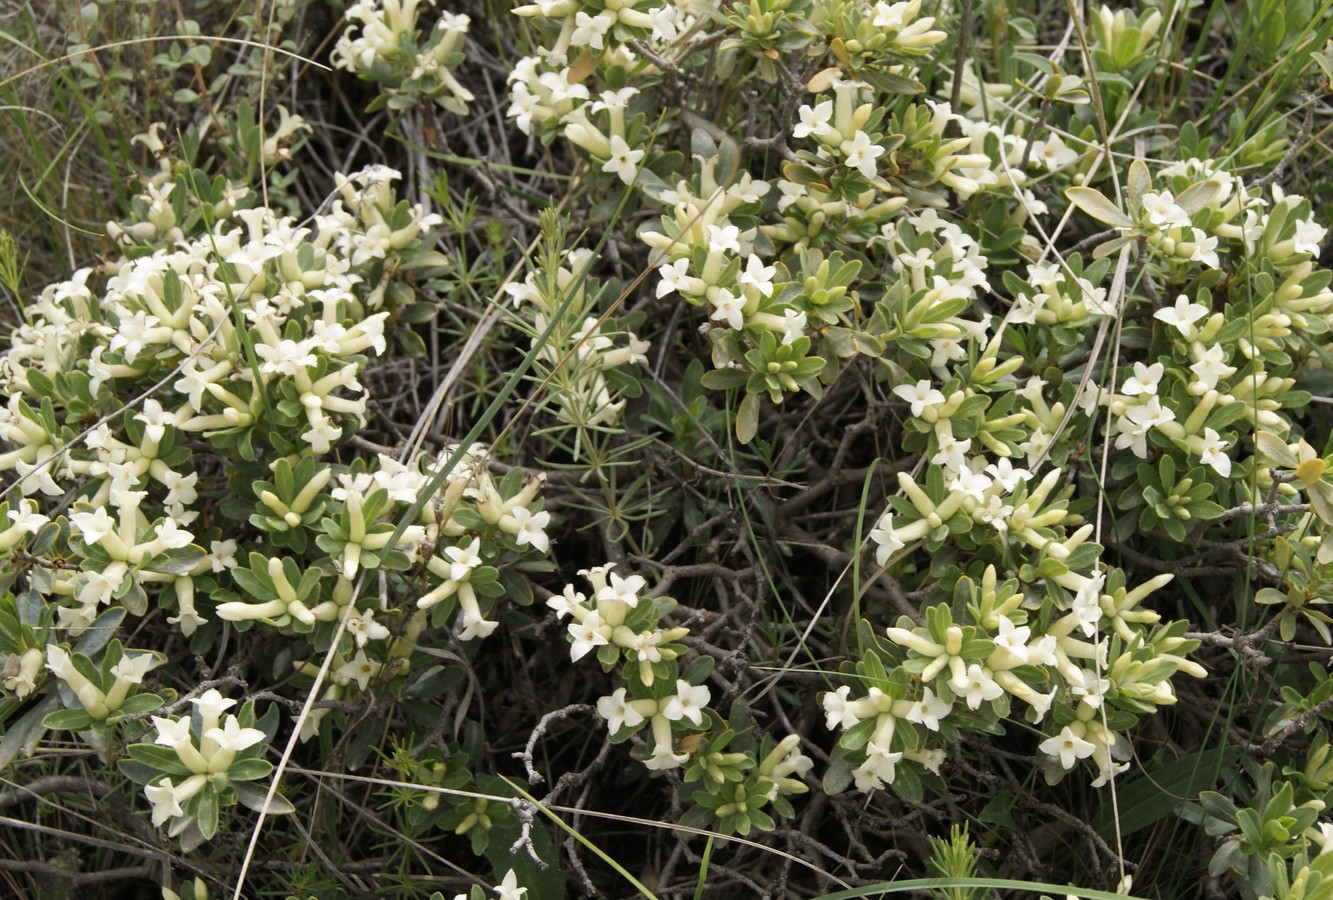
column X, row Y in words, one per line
column 1183, row 315
column 590, row 30
column 663, row 21
column 929, row 710
column 531, row 528
column 475, row 626
column 687, row 703
column 1006, row 474
column 1068, row 747
column 155, row 419
column 165, row 802
column 508, row 888
column 758, row 275
column 878, row 769
column 860, row 153
column 1144, row 380
column 1204, row 249
column 363, row 627
column 587, row 635
column 815, row 121
column 838, row 709
column 172, row 732
column 231, row 736
column 462, row 560
column 995, row 513
column 663, row 759
column 976, row 686
column 1054, row 153
column 748, row 190
column 1041, row 652
column 618, row 711
column 1309, row 236
column 727, row 307
column 723, row 238
column 973, row 484
column 882, row 534
column 1163, row 211
column 359, row 668
column 953, row 452
column 222, row 555
column 132, row 669
column 286, row 358
column 1211, row 366
column 793, row 325
column 1135, row 424
column 1087, row 605
column 93, row 526
column 211, row 706
column 675, row 277
column 624, row 161
column 919, row 396
column 1013, row 638
column 171, row 537
column 564, row 604
column 1211, row 453
column 21, row 670
column 26, row 517
column 646, row 646
column 624, row 590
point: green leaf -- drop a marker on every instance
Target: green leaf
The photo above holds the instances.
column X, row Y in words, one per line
column 747, row 418
column 838, row 775
column 1095, row 203
column 68, row 720
column 163, row 759
column 100, row 632
column 890, row 82
column 249, row 769
column 1198, row 195
column 1321, row 500
column 207, row 813
column 1161, row 789
column 257, row 586
column 24, row 735
column 180, row 561
column 723, row 379
column 252, row 796
column 141, row 703
column 1276, row 449
column 1140, row 182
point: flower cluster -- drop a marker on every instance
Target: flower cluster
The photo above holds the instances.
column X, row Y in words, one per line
column 200, row 764
column 739, row 775
column 383, row 43
column 102, row 693
column 1061, row 393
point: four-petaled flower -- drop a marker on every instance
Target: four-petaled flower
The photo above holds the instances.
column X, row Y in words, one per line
column 618, row 711
column 1068, row 747
column 860, row 153
column 587, row 635
column 687, row 703
column 624, row 160
column 1183, row 315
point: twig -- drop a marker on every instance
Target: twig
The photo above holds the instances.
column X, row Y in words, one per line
column 1296, row 724
column 538, row 732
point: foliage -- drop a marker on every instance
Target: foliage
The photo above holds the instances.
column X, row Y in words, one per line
column 856, row 432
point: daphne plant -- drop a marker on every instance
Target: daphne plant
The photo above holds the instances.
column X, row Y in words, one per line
column 100, row 695
column 199, row 765
column 385, row 42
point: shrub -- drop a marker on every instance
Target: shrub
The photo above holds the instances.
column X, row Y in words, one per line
column 897, row 437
